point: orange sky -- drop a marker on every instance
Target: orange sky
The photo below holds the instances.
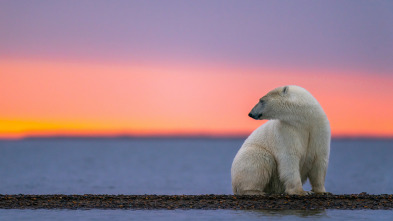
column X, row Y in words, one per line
column 190, row 67
column 59, row 98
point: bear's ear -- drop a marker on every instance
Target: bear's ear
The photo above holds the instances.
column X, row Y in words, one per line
column 285, row 90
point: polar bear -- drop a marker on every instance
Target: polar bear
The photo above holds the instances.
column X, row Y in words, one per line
column 292, row 146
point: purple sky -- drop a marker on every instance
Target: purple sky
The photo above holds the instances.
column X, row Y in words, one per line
column 352, row 34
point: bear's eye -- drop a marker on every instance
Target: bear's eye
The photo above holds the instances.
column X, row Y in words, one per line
column 261, row 101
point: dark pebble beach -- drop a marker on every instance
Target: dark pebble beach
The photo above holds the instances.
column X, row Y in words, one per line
column 267, row 202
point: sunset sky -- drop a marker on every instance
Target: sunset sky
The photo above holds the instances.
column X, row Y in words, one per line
column 112, row 68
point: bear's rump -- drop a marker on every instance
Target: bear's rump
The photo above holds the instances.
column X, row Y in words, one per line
column 255, row 169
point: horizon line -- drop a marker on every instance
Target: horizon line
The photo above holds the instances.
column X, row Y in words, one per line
column 174, row 136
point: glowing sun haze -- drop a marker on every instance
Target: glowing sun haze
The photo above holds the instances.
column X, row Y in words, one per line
column 190, row 67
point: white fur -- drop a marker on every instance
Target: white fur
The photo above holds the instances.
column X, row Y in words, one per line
column 292, row 146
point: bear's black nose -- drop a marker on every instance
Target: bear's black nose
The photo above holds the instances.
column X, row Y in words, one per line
column 256, row 117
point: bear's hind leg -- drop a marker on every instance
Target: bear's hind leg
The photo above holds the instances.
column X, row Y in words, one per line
column 252, row 177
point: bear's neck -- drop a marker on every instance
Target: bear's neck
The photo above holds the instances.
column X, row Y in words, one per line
column 311, row 119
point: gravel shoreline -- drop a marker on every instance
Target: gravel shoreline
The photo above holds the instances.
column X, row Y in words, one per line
column 353, row 201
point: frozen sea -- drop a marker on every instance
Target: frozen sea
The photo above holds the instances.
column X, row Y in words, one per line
column 173, row 166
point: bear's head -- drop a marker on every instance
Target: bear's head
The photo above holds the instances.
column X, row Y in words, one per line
column 284, row 103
